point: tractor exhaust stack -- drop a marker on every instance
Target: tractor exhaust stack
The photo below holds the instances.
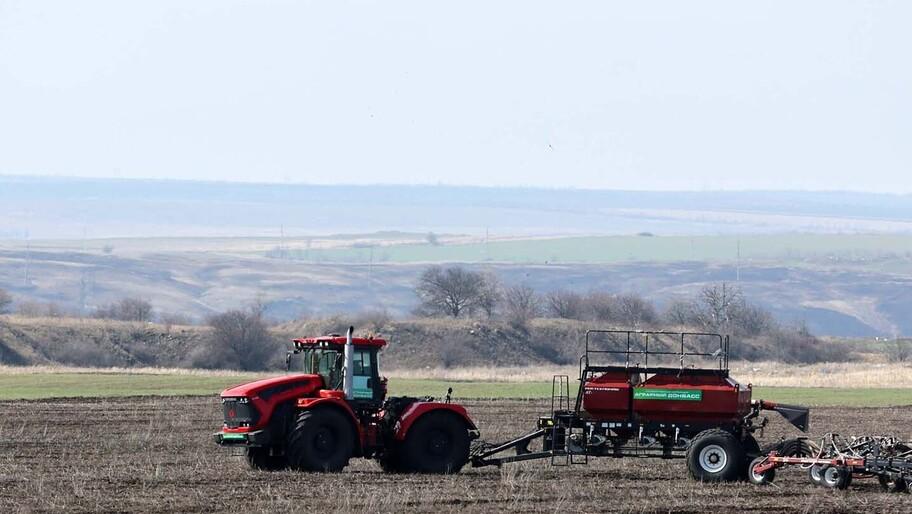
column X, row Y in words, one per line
column 347, row 378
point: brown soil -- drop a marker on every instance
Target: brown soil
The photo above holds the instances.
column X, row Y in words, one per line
column 156, row 455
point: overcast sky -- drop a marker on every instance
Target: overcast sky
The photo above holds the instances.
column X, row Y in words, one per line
column 632, row 95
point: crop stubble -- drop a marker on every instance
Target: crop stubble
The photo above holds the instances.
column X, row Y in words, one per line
column 156, row 455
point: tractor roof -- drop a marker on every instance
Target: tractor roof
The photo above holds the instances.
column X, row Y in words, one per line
column 336, row 339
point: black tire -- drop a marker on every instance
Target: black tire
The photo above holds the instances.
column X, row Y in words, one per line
column 258, row 458
column 798, row 447
column 751, row 451
column 715, row 456
column 322, row 440
column 893, row 483
column 837, row 477
column 764, row 478
column 389, row 461
column 437, row 443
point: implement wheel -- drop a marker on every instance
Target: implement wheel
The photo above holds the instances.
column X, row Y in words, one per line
column 764, row 478
column 437, row 443
column 837, row 477
column 894, row 483
column 715, row 456
column 815, row 472
column 322, row 440
column 258, row 458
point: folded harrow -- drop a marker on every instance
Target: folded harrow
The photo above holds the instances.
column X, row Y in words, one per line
column 836, row 460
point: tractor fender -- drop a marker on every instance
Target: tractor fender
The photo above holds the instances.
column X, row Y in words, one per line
column 416, row 410
column 333, row 402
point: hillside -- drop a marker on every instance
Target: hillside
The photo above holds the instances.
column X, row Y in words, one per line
column 429, row 343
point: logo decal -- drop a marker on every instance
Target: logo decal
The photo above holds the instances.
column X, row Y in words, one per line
column 687, row 395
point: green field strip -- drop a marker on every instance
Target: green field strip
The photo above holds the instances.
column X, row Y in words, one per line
column 74, row 385
column 611, row 249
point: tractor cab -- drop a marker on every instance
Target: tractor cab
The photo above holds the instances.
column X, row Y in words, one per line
column 325, row 356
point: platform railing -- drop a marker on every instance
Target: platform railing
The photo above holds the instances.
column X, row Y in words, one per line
column 627, row 337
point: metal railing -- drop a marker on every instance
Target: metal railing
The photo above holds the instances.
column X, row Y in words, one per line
column 642, row 339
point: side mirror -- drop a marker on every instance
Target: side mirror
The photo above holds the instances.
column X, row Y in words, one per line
column 288, row 361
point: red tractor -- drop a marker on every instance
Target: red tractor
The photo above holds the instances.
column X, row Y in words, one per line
column 653, row 394
column 337, row 409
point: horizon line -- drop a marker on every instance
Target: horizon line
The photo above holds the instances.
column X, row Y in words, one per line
column 75, row 178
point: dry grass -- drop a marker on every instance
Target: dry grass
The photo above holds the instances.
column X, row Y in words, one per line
column 53, row 369
column 769, row 374
column 860, row 375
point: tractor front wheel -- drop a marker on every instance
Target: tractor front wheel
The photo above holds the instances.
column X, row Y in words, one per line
column 437, row 443
column 715, row 456
column 322, row 440
column 259, row 458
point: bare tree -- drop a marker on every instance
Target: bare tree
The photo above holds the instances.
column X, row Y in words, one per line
column 40, row 310
column 126, row 309
column 6, row 301
column 564, row 304
column 170, row 319
column 521, row 304
column 491, row 294
column 900, row 350
column 719, row 306
column 453, row 292
column 680, row 313
column 634, row 311
column 752, row 320
column 600, row 306
column 240, row 340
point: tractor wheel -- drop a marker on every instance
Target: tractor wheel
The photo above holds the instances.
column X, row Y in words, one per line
column 837, row 477
column 322, row 440
column 389, row 461
column 437, row 443
column 764, row 478
column 715, row 456
column 815, row 472
column 258, row 458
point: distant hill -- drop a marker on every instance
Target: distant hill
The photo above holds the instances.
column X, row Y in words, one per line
column 840, row 262
column 62, row 208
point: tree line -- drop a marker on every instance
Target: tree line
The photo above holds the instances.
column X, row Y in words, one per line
column 457, row 292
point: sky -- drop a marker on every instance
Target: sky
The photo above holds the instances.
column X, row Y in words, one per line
column 652, row 95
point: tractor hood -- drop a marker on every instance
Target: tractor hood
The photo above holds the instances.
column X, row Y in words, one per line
column 270, row 386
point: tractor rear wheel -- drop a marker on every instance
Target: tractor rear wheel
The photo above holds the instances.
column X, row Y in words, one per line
column 258, row 458
column 715, row 456
column 322, row 440
column 437, row 443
